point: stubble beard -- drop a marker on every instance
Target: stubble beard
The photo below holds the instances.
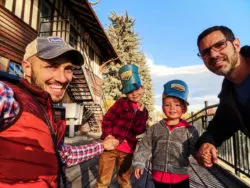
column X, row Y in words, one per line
column 35, row 82
column 227, row 69
column 232, row 64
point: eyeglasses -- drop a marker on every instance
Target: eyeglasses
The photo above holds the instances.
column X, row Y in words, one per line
column 218, row 46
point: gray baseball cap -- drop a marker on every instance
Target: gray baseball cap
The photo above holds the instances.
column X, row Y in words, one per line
column 51, row 47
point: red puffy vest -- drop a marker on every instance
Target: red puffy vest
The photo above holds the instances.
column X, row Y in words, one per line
column 27, row 155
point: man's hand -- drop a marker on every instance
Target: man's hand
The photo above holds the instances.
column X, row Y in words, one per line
column 110, row 142
column 207, row 155
column 138, row 173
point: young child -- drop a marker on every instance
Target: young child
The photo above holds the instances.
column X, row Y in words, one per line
column 169, row 142
column 124, row 120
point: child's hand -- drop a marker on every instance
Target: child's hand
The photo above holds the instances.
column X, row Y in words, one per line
column 109, row 136
column 138, row 173
column 140, row 106
column 207, row 155
column 110, row 142
column 207, row 159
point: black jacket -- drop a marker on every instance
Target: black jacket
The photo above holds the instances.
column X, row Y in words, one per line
column 230, row 116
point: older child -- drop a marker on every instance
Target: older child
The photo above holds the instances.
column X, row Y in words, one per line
column 124, row 120
column 169, row 142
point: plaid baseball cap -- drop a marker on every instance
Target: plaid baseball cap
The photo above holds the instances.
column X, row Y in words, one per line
column 51, row 47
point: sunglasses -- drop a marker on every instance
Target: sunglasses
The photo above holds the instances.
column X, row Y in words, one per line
column 218, row 46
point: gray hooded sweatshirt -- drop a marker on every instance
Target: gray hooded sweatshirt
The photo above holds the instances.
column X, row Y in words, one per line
column 169, row 150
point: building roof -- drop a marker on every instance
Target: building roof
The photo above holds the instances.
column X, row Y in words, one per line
column 87, row 17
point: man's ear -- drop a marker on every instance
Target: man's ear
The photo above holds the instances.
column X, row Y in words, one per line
column 236, row 44
column 26, row 68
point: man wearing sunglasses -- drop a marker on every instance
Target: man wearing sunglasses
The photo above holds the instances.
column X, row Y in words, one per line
column 222, row 54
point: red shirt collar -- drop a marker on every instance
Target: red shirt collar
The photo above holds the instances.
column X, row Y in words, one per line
column 180, row 124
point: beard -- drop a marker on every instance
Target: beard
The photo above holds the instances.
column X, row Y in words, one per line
column 36, row 82
column 233, row 62
column 227, row 69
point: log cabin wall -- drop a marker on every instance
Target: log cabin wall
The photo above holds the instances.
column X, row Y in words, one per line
column 20, row 23
column 22, row 20
column 15, row 34
column 75, row 21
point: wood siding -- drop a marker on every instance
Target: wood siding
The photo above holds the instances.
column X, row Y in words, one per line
column 14, row 35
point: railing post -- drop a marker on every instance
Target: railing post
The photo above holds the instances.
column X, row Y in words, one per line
column 206, row 114
column 236, row 153
column 192, row 118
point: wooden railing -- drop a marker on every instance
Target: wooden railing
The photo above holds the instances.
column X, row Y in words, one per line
column 235, row 151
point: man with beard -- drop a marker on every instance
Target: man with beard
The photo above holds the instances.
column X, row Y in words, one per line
column 222, row 54
column 32, row 150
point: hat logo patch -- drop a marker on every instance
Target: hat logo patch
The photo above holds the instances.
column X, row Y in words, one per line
column 126, row 75
column 178, row 87
column 55, row 40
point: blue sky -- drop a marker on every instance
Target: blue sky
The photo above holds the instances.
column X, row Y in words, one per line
column 169, row 30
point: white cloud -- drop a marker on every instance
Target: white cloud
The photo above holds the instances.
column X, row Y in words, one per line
column 158, row 96
column 158, row 107
column 203, row 85
column 197, row 103
column 212, row 99
column 162, row 70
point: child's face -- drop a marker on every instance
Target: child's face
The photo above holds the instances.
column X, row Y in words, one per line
column 135, row 95
column 173, row 108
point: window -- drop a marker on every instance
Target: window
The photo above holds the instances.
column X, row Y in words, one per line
column 73, row 37
column 91, row 53
column 45, row 19
column 15, row 69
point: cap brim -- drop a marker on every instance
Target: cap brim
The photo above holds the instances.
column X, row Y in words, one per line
column 131, row 87
column 173, row 95
column 74, row 55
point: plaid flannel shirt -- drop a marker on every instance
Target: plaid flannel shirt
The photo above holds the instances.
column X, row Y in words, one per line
column 71, row 155
column 9, row 107
column 123, row 122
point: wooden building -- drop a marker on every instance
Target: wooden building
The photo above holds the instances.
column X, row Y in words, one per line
column 76, row 22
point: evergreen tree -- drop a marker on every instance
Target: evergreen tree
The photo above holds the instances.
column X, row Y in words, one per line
column 127, row 45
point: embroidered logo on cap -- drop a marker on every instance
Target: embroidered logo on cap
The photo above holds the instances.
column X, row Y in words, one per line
column 178, row 87
column 126, row 75
column 55, row 40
